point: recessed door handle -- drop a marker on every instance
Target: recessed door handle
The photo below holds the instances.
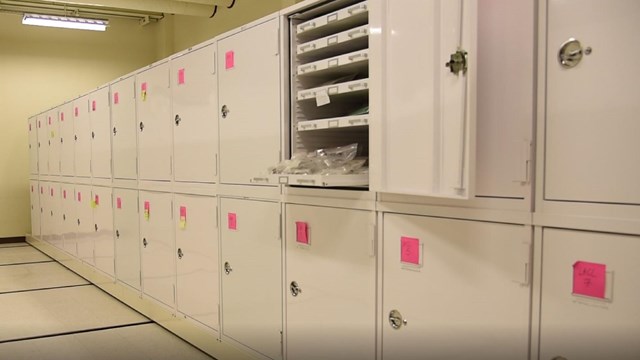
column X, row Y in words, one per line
column 117, row 234
column 144, row 242
column 177, row 119
column 227, row 268
column 395, row 320
column 141, row 126
column 295, row 289
column 224, row 111
column 115, row 131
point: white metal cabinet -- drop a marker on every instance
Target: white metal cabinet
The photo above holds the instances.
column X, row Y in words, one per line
column 158, row 246
column 194, row 99
column 251, row 257
column 461, row 286
column 249, row 103
column 45, row 227
column 575, row 326
column 591, row 110
column 69, row 218
column 55, row 215
column 127, row 232
column 85, row 226
column 123, row 121
column 197, row 285
column 103, row 226
column 333, row 315
column 423, row 143
column 153, row 106
column 53, row 140
column 33, row 145
column 82, row 137
column 67, row 142
column 34, row 197
column 100, row 119
column 43, row 145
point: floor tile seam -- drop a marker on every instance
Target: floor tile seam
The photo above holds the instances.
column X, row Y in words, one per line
column 44, row 289
column 29, row 262
column 75, row 332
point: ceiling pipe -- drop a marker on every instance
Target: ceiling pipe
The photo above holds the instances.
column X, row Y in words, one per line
column 21, row 7
column 159, row 6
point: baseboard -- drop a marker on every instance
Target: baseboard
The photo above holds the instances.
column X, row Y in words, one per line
column 9, row 240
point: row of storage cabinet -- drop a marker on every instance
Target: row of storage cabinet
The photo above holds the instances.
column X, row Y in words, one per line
column 434, row 287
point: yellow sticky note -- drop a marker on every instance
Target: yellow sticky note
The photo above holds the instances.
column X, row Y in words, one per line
column 183, row 223
column 93, row 204
column 146, row 214
column 144, row 95
column 53, row 134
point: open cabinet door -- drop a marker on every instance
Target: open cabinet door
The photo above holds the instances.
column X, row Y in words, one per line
column 425, row 51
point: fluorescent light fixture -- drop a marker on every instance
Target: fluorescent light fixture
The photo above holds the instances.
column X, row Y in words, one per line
column 65, row 22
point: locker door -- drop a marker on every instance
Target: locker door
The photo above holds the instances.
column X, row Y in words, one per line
column 45, row 217
column 426, row 132
column 249, row 83
column 252, row 248
column 127, row 233
column 100, row 119
column 67, row 162
column 195, row 99
column 153, row 104
column 53, row 140
column 158, row 246
column 82, row 137
column 103, row 226
column 123, row 118
column 576, row 323
column 33, row 145
column 55, row 213
column 197, row 258
column 85, row 226
column 34, row 196
column 461, row 286
column 69, row 218
column 43, row 144
column 333, row 315
column 591, row 110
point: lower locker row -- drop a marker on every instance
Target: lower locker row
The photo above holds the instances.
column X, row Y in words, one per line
column 455, row 289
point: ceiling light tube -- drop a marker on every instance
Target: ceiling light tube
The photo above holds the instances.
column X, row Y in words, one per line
column 65, row 22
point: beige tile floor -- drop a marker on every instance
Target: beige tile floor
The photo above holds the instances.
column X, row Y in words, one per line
column 48, row 312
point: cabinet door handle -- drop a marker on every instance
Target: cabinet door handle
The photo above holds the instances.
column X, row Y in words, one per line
column 227, row 268
column 295, row 289
column 144, row 242
column 395, row 320
column 177, row 119
column 224, row 111
column 141, row 126
column 117, row 234
column 180, row 253
column 115, row 131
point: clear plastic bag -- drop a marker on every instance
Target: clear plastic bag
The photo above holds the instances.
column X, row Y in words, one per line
column 340, row 160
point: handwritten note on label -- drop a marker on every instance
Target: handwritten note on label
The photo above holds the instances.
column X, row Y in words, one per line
column 410, row 250
column 116, row 98
column 589, row 279
column 229, row 60
column 147, row 210
column 232, row 221
column 181, row 76
column 119, row 203
column 302, row 232
column 183, row 217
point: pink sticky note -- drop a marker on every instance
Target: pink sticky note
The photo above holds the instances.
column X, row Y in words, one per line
column 51, row 191
column 64, row 194
column 147, row 208
column 75, row 111
column 49, row 120
column 181, row 76
column 302, row 232
column 61, row 116
column 232, row 221
column 410, row 250
column 118, row 203
column 116, row 98
column 183, row 212
column 97, row 200
column 79, row 196
column 39, row 124
column 143, row 87
column 230, row 61
column 589, row 279
column 93, row 105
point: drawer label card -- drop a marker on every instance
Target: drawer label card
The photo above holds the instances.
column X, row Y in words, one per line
column 229, row 60
column 232, row 221
column 410, row 250
column 589, row 279
column 302, row 232
column 322, row 98
column 183, row 217
column 181, row 76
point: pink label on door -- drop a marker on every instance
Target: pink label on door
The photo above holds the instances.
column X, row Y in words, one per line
column 93, row 105
column 143, row 87
column 61, row 116
column 302, row 232
column 183, row 212
column 229, row 60
column 97, row 200
column 49, row 120
column 232, row 221
column 147, row 210
column 116, row 98
column 181, row 76
column 41, row 190
column 79, row 196
column 589, row 279
column 64, row 194
column 51, row 192
column 75, row 111
column 118, row 203
column 39, row 124
column 410, row 250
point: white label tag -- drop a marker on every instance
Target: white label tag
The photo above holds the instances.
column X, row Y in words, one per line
column 322, row 98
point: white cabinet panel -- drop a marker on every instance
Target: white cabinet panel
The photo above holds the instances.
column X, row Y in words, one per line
column 100, row 118
column 334, row 314
column 592, row 122
column 460, row 285
column 158, row 246
column 103, row 226
column 153, row 106
column 43, row 144
column 69, row 218
column 252, row 248
column 45, row 227
column 82, row 137
column 195, row 115
column 67, row 142
column 55, row 215
column 85, row 225
column 33, row 145
column 426, row 132
column 127, row 232
column 249, row 84
column 123, row 118
column 53, row 140
column 605, row 325
column 197, row 258
column 34, row 197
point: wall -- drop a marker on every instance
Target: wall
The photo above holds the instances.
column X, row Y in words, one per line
column 42, row 67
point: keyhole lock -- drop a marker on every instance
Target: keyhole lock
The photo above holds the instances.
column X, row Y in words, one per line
column 295, row 289
column 144, row 242
column 180, row 254
column 395, row 319
column 458, row 62
column 177, row 120
column 115, row 131
column 227, row 268
column 141, row 126
column 225, row 111
column 571, row 52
